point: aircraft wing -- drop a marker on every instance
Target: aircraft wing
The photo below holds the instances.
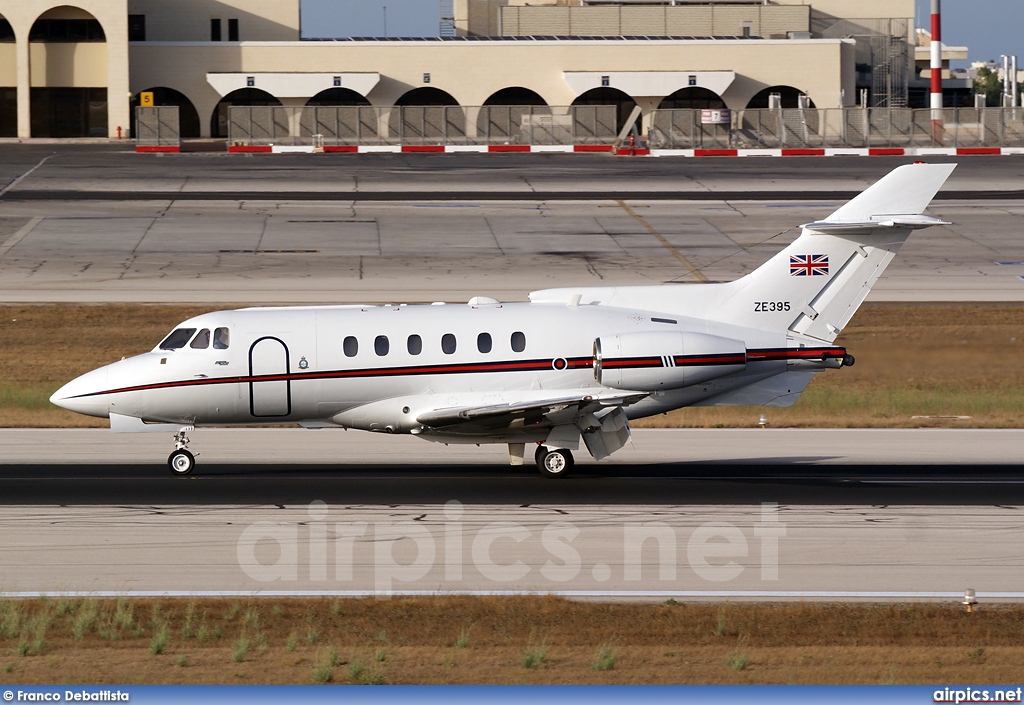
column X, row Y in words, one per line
column 554, row 411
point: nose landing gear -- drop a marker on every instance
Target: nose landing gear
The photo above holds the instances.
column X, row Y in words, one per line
column 181, row 461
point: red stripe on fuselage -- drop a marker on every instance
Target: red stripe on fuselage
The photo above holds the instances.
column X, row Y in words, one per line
column 465, row 368
column 575, row 363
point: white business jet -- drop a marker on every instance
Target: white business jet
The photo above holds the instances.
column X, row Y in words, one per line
column 572, row 365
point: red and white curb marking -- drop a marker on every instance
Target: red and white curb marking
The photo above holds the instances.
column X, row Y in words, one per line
column 606, row 149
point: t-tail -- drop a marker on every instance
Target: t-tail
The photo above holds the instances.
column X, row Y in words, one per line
column 814, row 286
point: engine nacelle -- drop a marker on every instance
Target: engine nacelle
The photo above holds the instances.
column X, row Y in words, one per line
column 649, row 362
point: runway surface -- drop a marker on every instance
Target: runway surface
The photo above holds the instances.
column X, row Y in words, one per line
column 756, row 514
column 94, row 224
column 672, row 466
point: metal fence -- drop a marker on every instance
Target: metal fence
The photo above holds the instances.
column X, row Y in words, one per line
column 433, row 125
column 157, row 126
column 797, row 128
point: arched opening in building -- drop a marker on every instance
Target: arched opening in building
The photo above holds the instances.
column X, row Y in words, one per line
column 515, row 95
column 337, row 96
column 252, row 97
column 605, row 95
column 68, row 79
column 427, row 116
column 338, row 118
column 507, row 117
column 790, row 98
column 692, row 98
column 188, row 116
column 8, row 81
column 426, row 96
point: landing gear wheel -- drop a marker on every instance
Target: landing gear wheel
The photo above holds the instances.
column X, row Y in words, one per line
column 556, row 464
column 540, row 455
column 181, row 462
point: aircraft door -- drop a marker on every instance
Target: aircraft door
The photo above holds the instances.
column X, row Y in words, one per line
column 268, row 357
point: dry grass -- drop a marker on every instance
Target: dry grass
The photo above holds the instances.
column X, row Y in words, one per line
column 912, row 360
column 414, row 640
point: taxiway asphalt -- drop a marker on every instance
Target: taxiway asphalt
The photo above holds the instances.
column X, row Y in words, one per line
column 99, row 224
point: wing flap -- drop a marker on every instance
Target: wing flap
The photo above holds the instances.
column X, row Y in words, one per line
column 551, row 411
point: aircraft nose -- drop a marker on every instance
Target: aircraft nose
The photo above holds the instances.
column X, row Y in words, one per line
column 83, row 394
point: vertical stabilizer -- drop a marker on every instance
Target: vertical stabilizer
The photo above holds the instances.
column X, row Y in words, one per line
column 814, row 286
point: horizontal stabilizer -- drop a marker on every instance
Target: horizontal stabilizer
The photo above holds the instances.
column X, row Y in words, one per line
column 906, row 190
column 911, row 222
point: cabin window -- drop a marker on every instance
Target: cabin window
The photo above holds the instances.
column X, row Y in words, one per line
column 448, row 343
column 177, row 339
column 350, row 346
column 414, row 345
column 483, row 342
column 381, row 345
column 202, row 340
column 518, row 341
column 221, row 339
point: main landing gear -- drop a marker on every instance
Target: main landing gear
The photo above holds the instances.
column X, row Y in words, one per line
column 181, row 461
column 554, row 463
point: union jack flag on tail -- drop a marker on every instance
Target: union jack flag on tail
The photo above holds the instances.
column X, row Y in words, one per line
column 808, row 265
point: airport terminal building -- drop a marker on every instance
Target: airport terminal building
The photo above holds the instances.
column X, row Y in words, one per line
column 77, row 70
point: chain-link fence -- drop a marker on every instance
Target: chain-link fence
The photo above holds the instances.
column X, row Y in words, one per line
column 157, row 126
column 429, row 125
column 840, row 127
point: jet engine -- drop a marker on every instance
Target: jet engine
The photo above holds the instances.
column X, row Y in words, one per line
column 654, row 361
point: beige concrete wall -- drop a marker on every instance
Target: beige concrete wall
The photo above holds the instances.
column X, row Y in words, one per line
column 189, row 20
column 767, row 21
column 112, row 16
column 478, row 18
column 8, row 65
column 68, row 65
column 816, row 67
column 858, row 9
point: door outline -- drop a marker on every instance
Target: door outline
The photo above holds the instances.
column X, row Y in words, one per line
column 287, row 379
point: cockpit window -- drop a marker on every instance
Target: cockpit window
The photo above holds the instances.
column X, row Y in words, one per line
column 221, row 339
column 202, row 340
column 177, row 339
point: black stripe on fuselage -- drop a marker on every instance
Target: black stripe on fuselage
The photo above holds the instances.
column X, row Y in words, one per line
column 363, row 373
column 539, row 365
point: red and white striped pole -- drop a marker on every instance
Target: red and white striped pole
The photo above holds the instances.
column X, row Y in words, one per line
column 936, row 72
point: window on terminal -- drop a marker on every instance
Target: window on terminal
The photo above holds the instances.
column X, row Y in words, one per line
column 136, row 28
